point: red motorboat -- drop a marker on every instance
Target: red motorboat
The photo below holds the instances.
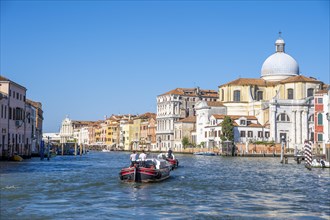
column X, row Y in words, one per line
column 150, row 170
column 172, row 160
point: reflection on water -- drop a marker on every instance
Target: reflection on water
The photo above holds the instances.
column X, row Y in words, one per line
column 202, row 187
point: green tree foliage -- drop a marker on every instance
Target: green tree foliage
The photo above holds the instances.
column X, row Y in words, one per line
column 185, row 142
column 227, row 128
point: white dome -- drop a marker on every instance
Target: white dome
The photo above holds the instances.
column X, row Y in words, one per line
column 280, row 65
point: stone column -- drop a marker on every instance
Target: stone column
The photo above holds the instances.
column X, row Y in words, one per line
column 304, row 128
column 272, row 122
column 294, row 126
column 298, row 127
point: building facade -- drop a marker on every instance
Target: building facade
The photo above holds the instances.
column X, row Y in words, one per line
column 321, row 117
column 281, row 100
column 18, row 121
column 175, row 105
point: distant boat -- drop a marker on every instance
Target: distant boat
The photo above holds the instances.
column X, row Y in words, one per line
column 17, row 158
column 105, row 150
column 173, row 161
column 205, row 153
column 320, row 163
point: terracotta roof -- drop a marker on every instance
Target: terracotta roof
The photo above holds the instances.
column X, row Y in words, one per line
column 255, row 125
column 192, row 92
column 250, row 81
column 323, row 91
column 147, row 115
column 35, row 104
column 235, row 117
column 190, row 119
column 86, row 123
column 215, row 104
column 2, row 78
column 262, row 82
column 300, row 78
column 235, row 124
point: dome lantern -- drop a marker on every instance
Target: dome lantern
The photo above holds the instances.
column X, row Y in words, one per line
column 280, row 44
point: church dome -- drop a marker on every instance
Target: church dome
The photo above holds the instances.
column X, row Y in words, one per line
column 279, row 65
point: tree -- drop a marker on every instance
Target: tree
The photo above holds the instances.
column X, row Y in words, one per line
column 185, row 142
column 227, row 128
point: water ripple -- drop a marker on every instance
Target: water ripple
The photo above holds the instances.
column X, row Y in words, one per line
column 88, row 187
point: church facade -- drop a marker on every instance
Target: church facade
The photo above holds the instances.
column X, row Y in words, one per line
column 281, row 99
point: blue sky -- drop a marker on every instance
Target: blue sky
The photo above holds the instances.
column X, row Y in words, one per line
column 88, row 59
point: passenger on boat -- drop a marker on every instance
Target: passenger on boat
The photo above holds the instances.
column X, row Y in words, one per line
column 142, row 157
column 133, row 158
column 169, row 153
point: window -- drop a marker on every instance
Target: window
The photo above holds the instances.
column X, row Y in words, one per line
column 206, row 134
column 250, row 133
column 283, row 117
column 222, row 95
column 267, row 134
column 290, row 93
column 242, row 122
column 320, row 100
column 310, row 92
column 237, row 96
column 259, row 95
column 320, row 119
column 242, row 134
column 319, row 137
column 219, row 133
column 260, row 134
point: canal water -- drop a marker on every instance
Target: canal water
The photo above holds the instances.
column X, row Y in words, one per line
column 88, row 187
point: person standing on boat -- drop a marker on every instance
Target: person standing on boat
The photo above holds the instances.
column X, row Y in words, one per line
column 133, row 158
column 169, row 153
column 142, row 157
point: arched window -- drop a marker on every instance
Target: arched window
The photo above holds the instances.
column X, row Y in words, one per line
column 260, row 95
column 310, row 92
column 283, row 117
column 320, row 119
column 237, row 96
column 290, row 93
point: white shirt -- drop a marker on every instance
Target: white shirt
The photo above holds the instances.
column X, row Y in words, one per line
column 133, row 157
column 143, row 156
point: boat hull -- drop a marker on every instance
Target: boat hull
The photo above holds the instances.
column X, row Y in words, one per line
column 174, row 163
column 143, row 174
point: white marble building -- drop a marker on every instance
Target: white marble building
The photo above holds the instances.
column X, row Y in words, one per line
column 175, row 105
column 66, row 131
column 204, row 111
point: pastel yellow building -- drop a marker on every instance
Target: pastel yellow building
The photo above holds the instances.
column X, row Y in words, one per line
column 281, row 99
